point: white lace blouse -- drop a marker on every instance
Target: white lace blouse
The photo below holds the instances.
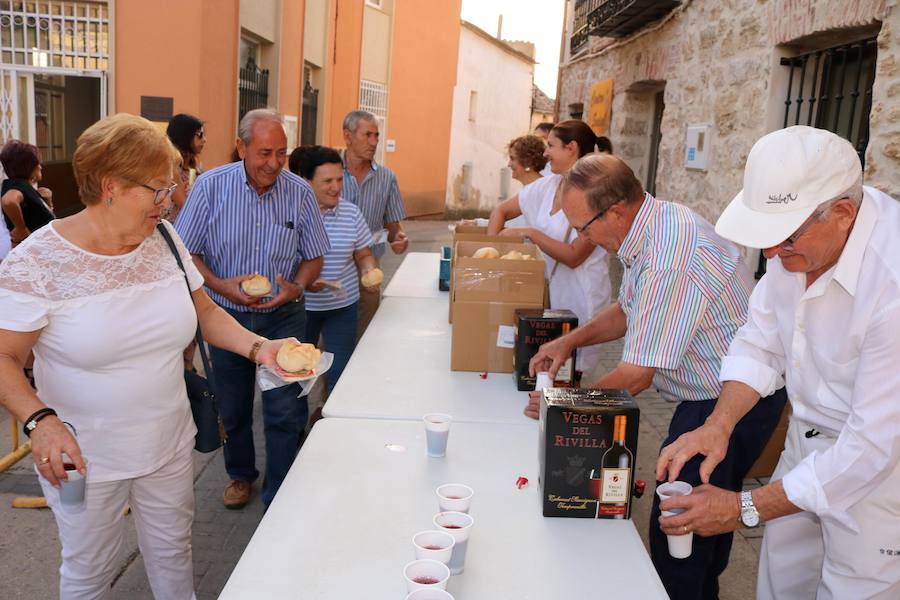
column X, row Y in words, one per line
column 109, row 355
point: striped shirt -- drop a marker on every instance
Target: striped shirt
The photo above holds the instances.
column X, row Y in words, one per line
column 378, row 197
column 685, row 294
column 347, row 232
column 239, row 232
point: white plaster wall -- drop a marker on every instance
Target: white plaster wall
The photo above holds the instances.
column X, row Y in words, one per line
column 503, row 82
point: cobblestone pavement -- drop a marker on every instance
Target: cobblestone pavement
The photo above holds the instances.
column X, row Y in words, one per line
column 30, row 547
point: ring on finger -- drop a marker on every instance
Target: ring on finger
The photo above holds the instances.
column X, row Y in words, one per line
column 684, row 527
column 45, row 460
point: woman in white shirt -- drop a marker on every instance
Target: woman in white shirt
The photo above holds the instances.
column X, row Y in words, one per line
column 576, row 269
column 101, row 301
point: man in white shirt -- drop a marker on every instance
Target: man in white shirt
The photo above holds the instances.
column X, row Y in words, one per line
column 827, row 315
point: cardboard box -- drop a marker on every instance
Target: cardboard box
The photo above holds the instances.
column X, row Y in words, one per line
column 535, row 327
column 474, row 233
column 483, row 299
column 765, row 464
column 587, row 453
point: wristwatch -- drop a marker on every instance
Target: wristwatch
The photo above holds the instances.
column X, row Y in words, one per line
column 749, row 514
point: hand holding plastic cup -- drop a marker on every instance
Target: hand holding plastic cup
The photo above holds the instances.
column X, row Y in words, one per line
column 454, row 497
column 542, row 381
column 459, row 525
column 71, row 490
column 437, row 430
column 425, row 574
column 434, row 545
column 430, row 594
column 679, row 545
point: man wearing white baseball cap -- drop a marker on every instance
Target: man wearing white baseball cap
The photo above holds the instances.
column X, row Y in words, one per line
column 826, row 314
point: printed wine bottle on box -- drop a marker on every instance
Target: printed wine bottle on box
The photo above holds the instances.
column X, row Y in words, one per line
column 588, row 447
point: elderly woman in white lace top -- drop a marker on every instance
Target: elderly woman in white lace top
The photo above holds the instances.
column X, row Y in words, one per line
column 101, row 301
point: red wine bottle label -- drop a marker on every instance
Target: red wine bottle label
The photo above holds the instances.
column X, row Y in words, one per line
column 615, row 485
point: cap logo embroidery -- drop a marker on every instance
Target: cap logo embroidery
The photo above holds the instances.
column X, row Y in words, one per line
column 781, row 199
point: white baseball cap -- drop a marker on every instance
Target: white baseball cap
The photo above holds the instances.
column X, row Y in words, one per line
column 789, row 173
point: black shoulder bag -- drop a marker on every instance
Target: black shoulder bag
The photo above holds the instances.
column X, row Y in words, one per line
column 200, row 390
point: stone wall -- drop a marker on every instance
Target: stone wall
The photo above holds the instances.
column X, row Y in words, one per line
column 719, row 63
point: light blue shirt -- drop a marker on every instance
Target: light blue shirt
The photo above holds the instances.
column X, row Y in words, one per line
column 239, row 232
column 348, row 233
column 378, row 198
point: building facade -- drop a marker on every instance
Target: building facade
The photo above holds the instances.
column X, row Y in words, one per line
column 489, row 111
column 66, row 63
column 697, row 82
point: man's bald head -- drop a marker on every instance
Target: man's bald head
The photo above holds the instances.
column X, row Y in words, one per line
column 605, row 180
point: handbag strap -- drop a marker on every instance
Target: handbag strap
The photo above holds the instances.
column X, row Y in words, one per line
column 198, row 335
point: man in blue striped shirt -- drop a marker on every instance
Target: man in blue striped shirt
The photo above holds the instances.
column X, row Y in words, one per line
column 373, row 188
column 683, row 297
column 247, row 217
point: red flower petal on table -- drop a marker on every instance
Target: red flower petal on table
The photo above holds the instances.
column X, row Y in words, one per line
column 483, row 375
column 521, row 482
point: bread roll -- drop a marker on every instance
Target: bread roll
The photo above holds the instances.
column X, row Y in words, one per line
column 297, row 358
column 373, row 277
column 256, row 286
column 528, row 257
column 486, row 252
column 512, row 255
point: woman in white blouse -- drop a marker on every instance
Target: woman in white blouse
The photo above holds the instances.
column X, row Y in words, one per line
column 576, row 269
column 101, row 301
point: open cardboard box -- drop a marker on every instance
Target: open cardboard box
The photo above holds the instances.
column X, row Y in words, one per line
column 483, row 300
column 474, row 233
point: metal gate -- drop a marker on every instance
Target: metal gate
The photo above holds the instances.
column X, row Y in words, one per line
column 253, row 88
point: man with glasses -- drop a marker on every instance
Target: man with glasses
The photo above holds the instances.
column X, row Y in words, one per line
column 683, row 297
column 247, row 217
column 827, row 313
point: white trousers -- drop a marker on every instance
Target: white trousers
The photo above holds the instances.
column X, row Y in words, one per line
column 804, row 557
column 92, row 536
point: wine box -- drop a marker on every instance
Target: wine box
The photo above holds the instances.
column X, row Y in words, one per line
column 535, row 327
column 587, row 452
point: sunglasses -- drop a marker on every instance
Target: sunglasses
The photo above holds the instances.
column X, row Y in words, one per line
column 200, row 134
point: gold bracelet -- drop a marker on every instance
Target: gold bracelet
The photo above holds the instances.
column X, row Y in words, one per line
column 254, row 349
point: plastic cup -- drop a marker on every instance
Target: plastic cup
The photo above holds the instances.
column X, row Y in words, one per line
column 437, row 430
column 425, row 574
column 680, row 546
column 542, row 381
column 71, row 490
column 434, row 545
column 430, row 594
column 454, row 497
column 459, row 525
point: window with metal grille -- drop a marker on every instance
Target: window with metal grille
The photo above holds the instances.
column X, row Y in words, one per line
column 837, row 85
column 253, row 88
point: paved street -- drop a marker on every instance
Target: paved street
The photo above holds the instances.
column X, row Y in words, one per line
column 30, row 548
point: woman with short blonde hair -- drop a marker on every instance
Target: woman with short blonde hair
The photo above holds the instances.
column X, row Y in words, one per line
column 100, row 299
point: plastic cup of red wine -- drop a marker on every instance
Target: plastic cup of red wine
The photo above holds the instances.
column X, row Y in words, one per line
column 434, row 544
column 459, row 525
column 454, row 497
column 430, row 594
column 425, row 573
column 680, row 546
column 71, row 489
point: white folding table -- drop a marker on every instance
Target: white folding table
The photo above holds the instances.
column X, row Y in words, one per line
column 341, row 525
column 417, row 277
column 401, row 370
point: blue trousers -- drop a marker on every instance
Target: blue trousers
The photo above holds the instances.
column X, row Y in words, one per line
column 697, row 576
column 338, row 330
column 284, row 415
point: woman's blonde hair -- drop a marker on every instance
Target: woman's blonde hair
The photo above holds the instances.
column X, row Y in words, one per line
column 123, row 146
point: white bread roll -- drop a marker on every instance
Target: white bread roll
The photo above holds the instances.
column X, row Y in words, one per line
column 256, row 286
column 512, row 255
column 486, row 252
column 373, row 277
column 297, row 358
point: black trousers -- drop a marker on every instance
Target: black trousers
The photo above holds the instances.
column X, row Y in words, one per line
column 697, row 577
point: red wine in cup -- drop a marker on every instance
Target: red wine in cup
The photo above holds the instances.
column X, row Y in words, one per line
column 433, row 547
column 673, row 493
column 68, row 466
column 452, row 526
column 454, row 497
column 425, row 580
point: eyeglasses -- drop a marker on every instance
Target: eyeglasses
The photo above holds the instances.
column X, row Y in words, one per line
column 160, row 194
column 788, row 243
column 583, row 229
column 200, row 134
